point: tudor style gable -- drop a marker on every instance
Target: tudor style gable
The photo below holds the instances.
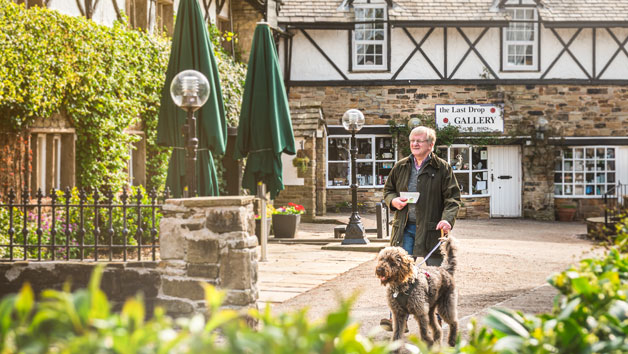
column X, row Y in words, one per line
column 438, row 41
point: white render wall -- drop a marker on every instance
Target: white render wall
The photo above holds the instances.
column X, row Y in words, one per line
column 309, row 64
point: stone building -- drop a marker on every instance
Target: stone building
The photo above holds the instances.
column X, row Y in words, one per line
column 537, row 88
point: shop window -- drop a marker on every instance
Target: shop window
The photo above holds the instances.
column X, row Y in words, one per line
column 374, row 160
column 53, row 161
column 470, row 165
column 520, row 39
column 584, row 171
column 369, row 49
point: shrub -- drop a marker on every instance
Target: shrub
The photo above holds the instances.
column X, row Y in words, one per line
column 82, row 322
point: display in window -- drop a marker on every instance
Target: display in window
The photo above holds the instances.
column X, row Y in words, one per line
column 558, row 189
column 364, row 149
column 382, row 171
column 610, row 177
column 364, row 173
column 589, row 190
column 459, row 159
column 338, row 174
column 480, row 185
column 338, row 149
column 463, row 182
column 384, row 149
column 610, row 153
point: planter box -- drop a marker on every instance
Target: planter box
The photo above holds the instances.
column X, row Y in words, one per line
column 258, row 229
column 566, row 214
column 285, row 226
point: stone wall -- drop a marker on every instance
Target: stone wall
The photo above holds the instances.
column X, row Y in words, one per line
column 202, row 240
column 207, row 240
column 571, row 111
column 120, row 281
column 245, row 18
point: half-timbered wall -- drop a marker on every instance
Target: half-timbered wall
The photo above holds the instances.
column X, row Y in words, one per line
column 595, row 54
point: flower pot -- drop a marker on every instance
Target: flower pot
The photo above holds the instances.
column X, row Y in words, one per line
column 285, row 226
column 258, row 229
column 566, row 214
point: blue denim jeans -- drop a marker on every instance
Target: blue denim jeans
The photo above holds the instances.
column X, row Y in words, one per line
column 408, row 238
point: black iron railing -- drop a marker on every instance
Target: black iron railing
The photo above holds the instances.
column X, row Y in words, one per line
column 615, row 203
column 77, row 225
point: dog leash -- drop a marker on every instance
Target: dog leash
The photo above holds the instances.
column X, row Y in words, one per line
column 433, row 249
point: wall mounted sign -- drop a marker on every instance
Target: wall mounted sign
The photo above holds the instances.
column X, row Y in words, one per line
column 471, row 117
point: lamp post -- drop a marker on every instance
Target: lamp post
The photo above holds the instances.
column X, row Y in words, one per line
column 541, row 127
column 190, row 90
column 352, row 121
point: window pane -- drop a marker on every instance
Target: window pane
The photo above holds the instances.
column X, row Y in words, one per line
column 593, row 171
column 610, row 165
column 382, row 171
column 384, row 149
column 558, row 189
column 378, row 60
column 610, row 153
column 558, row 177
column 364, row 148
column 610, row 177
column 338, row 174
column 364, row 173
column 379, row 13
column 480, row 185
column 463, row 182
column 338, row 149
column 589, row 189
column 459, row 159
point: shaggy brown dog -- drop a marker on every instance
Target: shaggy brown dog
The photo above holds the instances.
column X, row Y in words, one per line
column 420, row 292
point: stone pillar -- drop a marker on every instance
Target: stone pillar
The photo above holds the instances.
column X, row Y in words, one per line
column 208, row 240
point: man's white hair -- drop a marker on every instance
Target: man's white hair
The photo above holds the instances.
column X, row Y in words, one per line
column 430, row 133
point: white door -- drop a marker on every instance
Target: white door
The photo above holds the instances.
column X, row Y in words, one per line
column 504, row 181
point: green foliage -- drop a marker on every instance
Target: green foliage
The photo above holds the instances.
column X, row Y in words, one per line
column 82, row 322
column 105, row 80
column 590, row 316
column 401, row 130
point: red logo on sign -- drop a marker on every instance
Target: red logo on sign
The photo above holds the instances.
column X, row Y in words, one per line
column 492, row 110
column 445, row 120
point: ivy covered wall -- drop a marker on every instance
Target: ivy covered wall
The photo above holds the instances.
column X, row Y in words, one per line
column 103, row 79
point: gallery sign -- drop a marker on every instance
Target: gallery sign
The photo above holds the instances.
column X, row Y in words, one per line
column 471, row 117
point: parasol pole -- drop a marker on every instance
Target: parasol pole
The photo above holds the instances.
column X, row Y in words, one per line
column 261, row 194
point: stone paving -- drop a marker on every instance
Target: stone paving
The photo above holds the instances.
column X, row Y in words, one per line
column 292, row 269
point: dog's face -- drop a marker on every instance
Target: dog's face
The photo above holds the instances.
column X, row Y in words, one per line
column 394, row 266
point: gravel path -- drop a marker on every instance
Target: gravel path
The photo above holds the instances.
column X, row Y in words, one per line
column 501, row 262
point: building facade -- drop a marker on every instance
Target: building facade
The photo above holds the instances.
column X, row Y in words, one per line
column 555, row 72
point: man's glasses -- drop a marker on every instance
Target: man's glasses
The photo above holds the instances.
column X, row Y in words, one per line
column 418, row 141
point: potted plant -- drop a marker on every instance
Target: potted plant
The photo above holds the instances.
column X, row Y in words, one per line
column 286, row 220
column 258, row 222
column 566, row 211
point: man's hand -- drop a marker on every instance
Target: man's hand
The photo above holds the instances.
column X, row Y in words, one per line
column 444, row 225
column 400, row 203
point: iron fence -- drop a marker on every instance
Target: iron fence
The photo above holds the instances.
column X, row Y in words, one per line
column 615, row 203
column 78, row 225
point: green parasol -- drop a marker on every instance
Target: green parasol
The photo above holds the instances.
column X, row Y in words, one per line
column 265, row 128
column 192, row 49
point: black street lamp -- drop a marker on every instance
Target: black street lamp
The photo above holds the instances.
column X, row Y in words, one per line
column 352, row 121
column 190, row 90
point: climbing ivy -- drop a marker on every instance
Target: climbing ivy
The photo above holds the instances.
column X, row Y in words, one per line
column 103, row 79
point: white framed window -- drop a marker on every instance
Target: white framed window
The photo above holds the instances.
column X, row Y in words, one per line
column 369, row 49
column 470, row 165
column 584, row 171
column 375, row 159
column 520, row 40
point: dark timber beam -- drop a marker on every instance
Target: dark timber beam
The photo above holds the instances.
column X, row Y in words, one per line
column 565, row 46
column 324, row 54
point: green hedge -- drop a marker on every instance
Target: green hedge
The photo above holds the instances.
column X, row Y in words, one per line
column 105, row 79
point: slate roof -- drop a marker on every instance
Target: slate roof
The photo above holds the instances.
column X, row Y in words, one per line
column 584, row 10
column 316, row 11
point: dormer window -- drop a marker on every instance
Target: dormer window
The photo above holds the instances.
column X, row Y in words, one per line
column 369, row 50
column 520, row 40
